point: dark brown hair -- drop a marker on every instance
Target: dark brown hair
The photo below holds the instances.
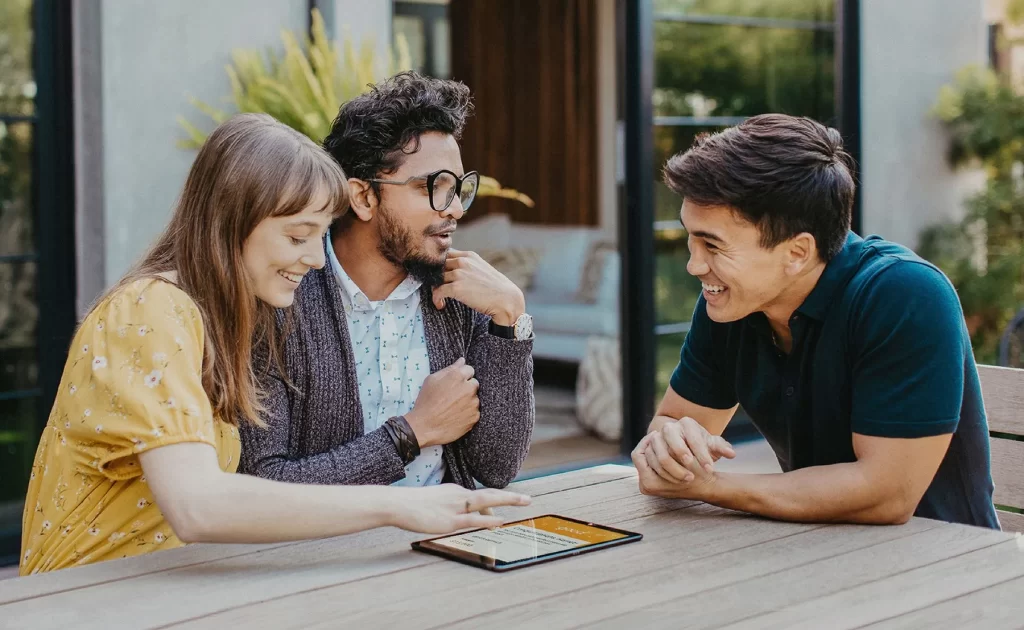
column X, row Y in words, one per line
column 250, row 168
column 784, row 174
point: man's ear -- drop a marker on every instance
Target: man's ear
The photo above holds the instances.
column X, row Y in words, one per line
column 801, row 253
column 362, row 198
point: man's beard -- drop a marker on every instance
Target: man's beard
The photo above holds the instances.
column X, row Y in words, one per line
column 398, row 246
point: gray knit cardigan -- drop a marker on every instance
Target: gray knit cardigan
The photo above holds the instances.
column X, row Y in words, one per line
column 314, row 428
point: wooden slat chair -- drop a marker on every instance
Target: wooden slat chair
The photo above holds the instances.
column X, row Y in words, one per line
column 1011, row 345
column 1003, row 391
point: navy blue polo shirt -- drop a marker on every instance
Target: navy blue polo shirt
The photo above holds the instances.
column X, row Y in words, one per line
column 880, row 348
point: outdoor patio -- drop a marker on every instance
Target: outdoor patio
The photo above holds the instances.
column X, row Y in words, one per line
column 560, row 443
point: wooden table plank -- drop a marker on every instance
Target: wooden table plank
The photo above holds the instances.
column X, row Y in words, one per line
column 684, row 572
column 994, row 608
column 698, row 566
column 753, row 599
column 192, row 555
column 238, row 581
column 22, row 588
column 439, row 595
column 901, row 593
column 574, row 479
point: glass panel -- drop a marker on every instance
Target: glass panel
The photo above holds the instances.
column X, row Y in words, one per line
column 17, row 83
column 18, row 439
column 714, row 70
column 411, row 27
column 675, row 290
column 16, row 224
column 813, row 10
column 667, row 356
column 667, row 142
column 19, row 362
column 442, row 49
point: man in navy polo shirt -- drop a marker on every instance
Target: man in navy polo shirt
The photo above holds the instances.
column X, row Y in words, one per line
column 850, row 355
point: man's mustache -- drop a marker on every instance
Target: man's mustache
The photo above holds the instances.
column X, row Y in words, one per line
column 441, row 229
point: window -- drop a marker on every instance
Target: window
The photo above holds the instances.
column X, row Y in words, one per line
column 424, row 24
column 717, row 62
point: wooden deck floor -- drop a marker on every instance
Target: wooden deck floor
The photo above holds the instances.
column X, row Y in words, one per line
column 560, row 443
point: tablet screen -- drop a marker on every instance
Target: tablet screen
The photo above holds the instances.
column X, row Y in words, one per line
column 532, row 538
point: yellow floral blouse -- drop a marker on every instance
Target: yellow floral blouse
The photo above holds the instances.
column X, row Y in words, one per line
column 132, row 382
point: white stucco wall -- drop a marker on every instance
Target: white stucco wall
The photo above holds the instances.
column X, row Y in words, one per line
column 153, row 55
column 363, row 20
column 909, row 49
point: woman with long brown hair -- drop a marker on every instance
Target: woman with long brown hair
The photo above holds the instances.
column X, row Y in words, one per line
column 143, row 430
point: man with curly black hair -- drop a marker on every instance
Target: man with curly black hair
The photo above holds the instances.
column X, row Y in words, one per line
column 406, row 361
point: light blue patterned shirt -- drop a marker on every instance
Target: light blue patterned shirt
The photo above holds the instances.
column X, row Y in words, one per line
column 391, row 361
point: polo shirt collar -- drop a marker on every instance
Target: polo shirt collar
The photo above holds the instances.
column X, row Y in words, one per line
column 837, row 274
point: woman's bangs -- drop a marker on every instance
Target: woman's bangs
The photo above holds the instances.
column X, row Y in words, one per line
column 308, row 179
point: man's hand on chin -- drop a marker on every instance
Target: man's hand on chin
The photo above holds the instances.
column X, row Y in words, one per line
column 471, row 280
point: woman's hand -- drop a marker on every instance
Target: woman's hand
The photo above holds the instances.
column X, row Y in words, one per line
column 448, row 508
column 204, row 504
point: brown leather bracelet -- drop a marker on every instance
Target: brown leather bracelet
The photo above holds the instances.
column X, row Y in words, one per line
column 404, row 437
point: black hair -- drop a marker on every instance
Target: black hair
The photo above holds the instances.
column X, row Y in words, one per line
column 784, row 174
column 370, row 135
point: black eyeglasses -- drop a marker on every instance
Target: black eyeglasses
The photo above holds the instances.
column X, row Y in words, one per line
column 442, row 186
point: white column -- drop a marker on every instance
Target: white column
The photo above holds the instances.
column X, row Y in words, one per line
column 363, row 20
column 909, row 49
column 154, row 55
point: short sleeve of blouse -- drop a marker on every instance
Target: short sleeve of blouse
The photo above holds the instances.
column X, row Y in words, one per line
column 135, row 378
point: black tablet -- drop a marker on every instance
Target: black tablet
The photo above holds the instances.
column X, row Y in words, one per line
column 527, row 542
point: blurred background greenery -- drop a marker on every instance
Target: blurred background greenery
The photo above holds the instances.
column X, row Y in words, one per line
column 983, row 254
column 18, row 310
column 306, row 85
column 716, row 63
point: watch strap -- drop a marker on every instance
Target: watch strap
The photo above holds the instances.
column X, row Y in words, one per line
column 505, row 332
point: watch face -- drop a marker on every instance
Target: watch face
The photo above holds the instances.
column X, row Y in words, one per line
column 524, row 327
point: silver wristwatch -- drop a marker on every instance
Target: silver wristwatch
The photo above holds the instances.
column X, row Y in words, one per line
column 521, row 330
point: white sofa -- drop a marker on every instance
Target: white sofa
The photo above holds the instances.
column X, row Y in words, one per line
column 562, row 322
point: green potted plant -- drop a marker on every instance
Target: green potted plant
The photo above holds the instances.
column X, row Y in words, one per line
column 304, row 87
column 983, row 254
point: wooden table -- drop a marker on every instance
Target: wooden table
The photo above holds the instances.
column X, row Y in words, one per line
column 697, row 567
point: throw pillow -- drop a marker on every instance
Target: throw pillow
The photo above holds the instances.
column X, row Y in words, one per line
column 518, row 264
column 599, row 389
column 593, row 272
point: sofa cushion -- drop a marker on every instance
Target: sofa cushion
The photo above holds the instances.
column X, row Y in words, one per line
column 518, row 264
column 559, row 347
column 608, row 291
column 594, row 271
column 490, row 232
column 572, row 318
column 561, row 265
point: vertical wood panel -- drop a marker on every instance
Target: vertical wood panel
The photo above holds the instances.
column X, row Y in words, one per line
column 531, row 67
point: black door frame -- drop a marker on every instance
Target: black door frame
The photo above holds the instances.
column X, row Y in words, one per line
column 636, row 220
column 55, row 196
